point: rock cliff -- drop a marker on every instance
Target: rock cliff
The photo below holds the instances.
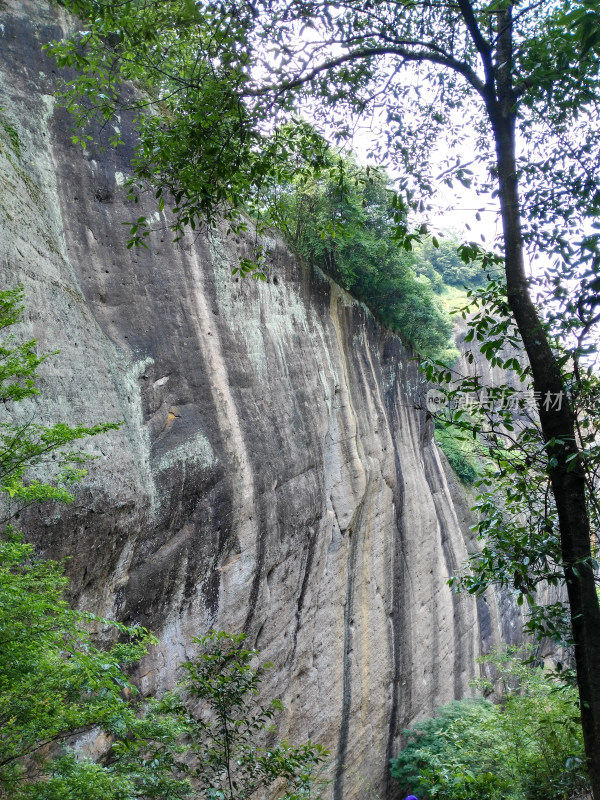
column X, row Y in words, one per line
column 273, row 474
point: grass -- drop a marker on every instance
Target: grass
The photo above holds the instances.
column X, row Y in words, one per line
column 452, row 298
column 13, row 136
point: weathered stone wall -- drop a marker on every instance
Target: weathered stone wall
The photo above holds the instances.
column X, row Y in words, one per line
column 272, row 475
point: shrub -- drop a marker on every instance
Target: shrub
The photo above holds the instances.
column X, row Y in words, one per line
column 228, row 758
column 460, row 452
column 527, row 747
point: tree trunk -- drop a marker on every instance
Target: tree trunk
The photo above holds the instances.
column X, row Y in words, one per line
column 557, row 423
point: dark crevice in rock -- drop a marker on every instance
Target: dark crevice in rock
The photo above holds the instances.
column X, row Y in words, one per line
column 349, row 611
column 400, row 634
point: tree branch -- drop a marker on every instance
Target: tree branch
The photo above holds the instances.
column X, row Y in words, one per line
column 483, row 46
column 405, row 53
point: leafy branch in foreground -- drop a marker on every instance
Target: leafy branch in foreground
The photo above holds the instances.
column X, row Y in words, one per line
column 207, row 739
column 205, row 150
column 517, row 522
column 56, row 681
column 27, row 445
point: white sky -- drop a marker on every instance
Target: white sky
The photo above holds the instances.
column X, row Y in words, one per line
column 456, row 207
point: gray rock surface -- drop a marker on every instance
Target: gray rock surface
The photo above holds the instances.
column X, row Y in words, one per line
column 273, row 474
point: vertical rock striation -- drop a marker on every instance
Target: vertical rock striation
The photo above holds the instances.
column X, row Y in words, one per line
column 273, row 473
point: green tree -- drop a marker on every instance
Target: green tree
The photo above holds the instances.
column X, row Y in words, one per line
column 56, row 683
column 343, row 220
column 228, row 758
column 528, row 746
column 204, row 152
column 493, row 67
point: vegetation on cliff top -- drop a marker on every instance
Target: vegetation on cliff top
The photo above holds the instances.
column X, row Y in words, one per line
column 343, row 220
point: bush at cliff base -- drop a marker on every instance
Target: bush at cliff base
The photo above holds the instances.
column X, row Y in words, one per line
column 529, row 746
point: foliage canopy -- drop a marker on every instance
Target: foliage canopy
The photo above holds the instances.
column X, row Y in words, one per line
column 443, row 265
column 343, row 220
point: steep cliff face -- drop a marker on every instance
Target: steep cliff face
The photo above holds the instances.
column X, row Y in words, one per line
column 272, row 475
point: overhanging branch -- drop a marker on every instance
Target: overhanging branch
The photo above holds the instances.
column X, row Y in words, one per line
column 364, row 53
